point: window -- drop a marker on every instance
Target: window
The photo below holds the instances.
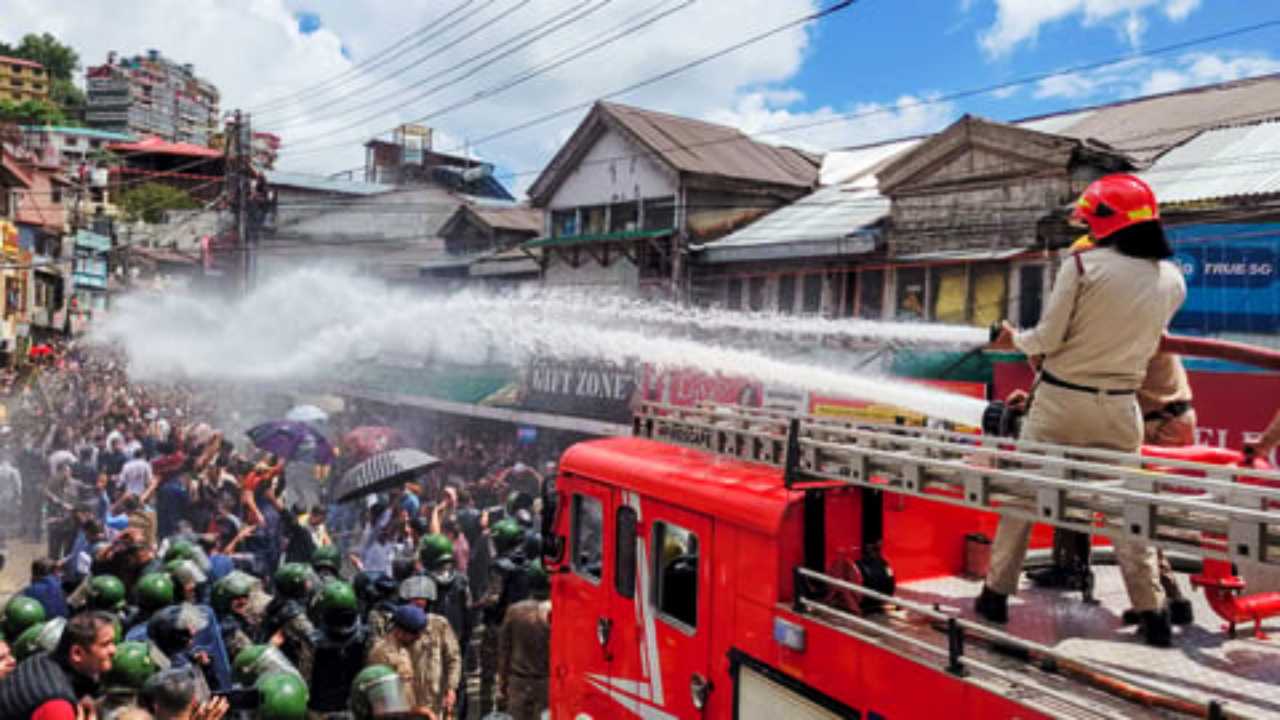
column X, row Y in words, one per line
column 871, row 294
column 564, row 223
column 1030, row 294
column 950, row 294
column 588, row 538
column 659, row 213
column 55, row 194
column 812, row 294
column 624, row 217
column 787, row 294
column 70, row 142
column 733, row 301
column 850, row 306
column 755, row 294
column 624, row 551
column 990, row 294
column 675, row 559
column 593, row 220
column 911, row 294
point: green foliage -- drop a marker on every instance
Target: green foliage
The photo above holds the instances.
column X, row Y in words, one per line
column 31, row 112
column 149, row 201
column 60, row 60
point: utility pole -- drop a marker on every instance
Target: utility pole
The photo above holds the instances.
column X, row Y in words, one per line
column 238, row 190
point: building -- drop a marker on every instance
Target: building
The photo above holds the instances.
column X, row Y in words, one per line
column 482, row 245
column 966, row 226
column 22, row 80
column 152, row 95
column 87, row 159
column 90, row 274
column 408, row 159
column 195, row 169
column 632, row 190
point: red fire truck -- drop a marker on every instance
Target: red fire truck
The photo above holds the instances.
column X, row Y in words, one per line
column 729, row 563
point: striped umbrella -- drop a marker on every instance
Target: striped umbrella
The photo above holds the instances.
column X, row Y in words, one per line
column 384, row 471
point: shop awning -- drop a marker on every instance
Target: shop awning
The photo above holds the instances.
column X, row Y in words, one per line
column 963, row 255
column 625, row 236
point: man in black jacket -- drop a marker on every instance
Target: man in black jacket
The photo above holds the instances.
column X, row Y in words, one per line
column 50, row 686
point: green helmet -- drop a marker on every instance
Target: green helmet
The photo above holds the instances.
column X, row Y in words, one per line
column 180, row 550
column 27, row 643
column 337, row 604
column 433, row 549
column 132, row 664
column 236, row 584
column 186, row 571
column 20, row 613
column 293, row 580
column 506, row 535
column 106, row 592
column 327, row 557
column 41, row 638
column 284, row 697
column 153, row 591
column 258, row 660
column 418, row 587
column 377, row 691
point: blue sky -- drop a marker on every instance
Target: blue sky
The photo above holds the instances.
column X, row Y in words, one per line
column 880, row 49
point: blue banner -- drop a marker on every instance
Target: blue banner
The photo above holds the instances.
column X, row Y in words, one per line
column 1233, row 277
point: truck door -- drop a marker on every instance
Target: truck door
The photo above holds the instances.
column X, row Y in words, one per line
column 581, row 637
column 661, row 609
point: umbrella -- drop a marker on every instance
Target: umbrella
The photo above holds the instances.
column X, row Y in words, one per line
column 369, row 440
column 288, row 438
column 383, row 472
column 307, row 414
column 40, row 350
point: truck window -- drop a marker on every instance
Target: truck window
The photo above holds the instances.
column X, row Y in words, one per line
column 624, row 578
column 588, row 522
column 675, row 558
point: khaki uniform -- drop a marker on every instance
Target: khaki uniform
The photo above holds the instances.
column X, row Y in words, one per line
column 1100, row 329
column 524, row 658
column 1166, row 385
column 431, row 666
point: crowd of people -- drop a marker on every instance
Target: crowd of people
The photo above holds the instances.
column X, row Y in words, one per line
column 187, row 574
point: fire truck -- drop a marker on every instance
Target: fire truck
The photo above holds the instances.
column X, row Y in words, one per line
column 735, row 563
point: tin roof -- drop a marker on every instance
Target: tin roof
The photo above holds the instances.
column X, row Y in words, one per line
column 323, row 184
column 520, row 218
column 824, row 223
column 1222, row 163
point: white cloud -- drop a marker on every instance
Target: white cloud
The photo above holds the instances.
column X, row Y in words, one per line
column 1070, row 86
column 1149, row 76
column 1019, row 21
column 1205, row 68
column 829, row 127
column 255, row 53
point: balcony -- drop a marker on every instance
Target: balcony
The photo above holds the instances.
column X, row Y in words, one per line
column 106, row 117
column 108, row 85
column 102, row 100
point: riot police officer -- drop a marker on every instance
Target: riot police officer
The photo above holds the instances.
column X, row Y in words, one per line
column 508, row 584
column 287, row 613
column 337, row 648
column 230, row 600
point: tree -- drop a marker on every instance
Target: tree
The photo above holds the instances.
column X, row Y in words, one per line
column 61, row 61
column 147, row 202
column 31, row 112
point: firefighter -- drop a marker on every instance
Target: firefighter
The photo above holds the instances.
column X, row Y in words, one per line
column 131, row 666
column 337, row 649
column 453, row 597
column 524, row 650
column 287, row 614
column 508, row 584
column 423, row 651
column 1101, row 326
column 230, row 600
column 1266, row 441
column 284, row 697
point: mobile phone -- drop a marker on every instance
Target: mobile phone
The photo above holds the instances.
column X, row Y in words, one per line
column 241, row 698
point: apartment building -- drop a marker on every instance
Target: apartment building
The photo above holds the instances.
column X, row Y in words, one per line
column 152, row 95
column 22, row 80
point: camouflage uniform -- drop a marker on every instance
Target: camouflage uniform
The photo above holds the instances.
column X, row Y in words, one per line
column 431, row 666
column 507, row 586
column 524, row 658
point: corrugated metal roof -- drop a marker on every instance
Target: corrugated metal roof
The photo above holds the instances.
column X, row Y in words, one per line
column 520, row 218
column 858, row 165
column 322, row 184
column 963, row 255
column 705, row 148
column 1228, row 162
column 823, row 222
column 79, row 132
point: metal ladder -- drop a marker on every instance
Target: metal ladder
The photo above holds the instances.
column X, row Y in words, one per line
column 1222, row 514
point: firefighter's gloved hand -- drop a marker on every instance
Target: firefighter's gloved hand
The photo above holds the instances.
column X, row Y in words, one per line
column 1017, row 401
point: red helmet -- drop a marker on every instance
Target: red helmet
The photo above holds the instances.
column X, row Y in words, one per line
column 1114, row 202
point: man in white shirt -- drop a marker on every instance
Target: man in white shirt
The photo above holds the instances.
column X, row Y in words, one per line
column 136, row 474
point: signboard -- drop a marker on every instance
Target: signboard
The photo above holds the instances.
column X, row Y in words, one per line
column 686, row 387
column 582, row 388
column 1233, row 277
column 1222, row 419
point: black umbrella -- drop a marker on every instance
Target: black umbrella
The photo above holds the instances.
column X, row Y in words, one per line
column 383, row 472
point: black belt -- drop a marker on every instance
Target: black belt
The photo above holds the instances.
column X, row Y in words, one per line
column 1168, row 412
column 1052, row 379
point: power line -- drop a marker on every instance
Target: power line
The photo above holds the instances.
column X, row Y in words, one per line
column 376, row 60
column 811, row 17
column 480, row 27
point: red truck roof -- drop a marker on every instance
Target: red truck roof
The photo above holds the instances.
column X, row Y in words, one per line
column 751, row 496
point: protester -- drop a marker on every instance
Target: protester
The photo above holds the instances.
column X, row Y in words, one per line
column 51, row 686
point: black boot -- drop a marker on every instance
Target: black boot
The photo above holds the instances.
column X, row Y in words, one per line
column 992, row 606
column 1155, row 628
column 1179, row 613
